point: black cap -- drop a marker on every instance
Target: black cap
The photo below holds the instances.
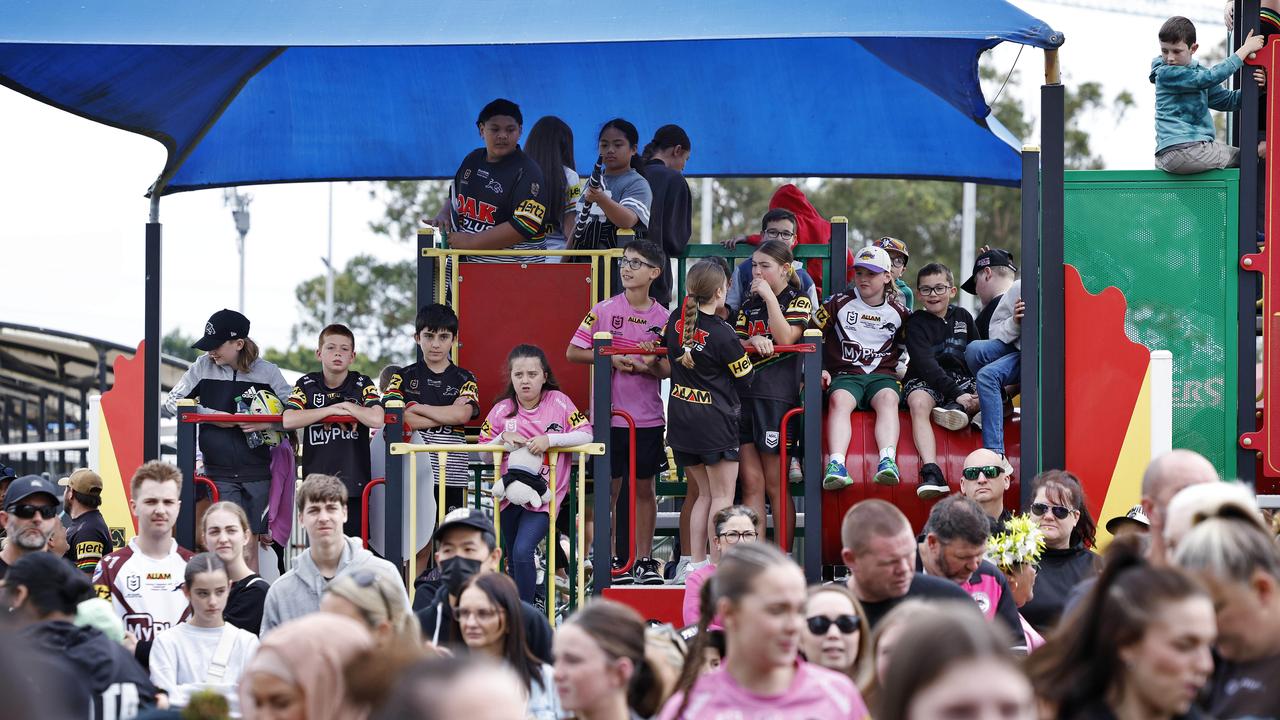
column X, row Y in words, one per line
column 223, row 325
column 28, row 485
column 464, row 517
column 990, row 258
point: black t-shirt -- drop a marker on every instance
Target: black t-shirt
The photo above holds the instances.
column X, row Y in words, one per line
column 702, row 413
column 418, row 384
column 89, row 540
column 776, row 377
column 1059, row 573
column 983, row 321
column 511, row 190
column 670, row 219
column 244, row 603
column 338, row 449
column 923, row 587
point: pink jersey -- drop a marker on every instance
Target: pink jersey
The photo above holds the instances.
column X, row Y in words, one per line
column 815, row 693
column 554, row 414
column 636, row 393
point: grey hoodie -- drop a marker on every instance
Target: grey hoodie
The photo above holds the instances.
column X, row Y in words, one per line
column 298, row 591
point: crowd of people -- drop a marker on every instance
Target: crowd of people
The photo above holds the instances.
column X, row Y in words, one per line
column 984, row 612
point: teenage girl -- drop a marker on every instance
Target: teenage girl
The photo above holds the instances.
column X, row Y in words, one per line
column 225, row 530
column 775, row 313
column 760, row 595
column 671, row 213
column 624, row 198
column 229, row 367
column 532, row 414
column 204, row 651
column 550, row 145
column 709, row 369
column 601, row 670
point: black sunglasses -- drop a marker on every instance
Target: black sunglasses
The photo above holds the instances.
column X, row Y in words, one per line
column 26, row 512
column 1059, row 512
column 820, row 624
column 991, row 471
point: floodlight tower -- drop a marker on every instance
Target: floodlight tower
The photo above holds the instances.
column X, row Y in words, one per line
column 239, row 204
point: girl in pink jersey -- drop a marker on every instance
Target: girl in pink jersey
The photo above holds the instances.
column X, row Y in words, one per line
column 760, row 594
column 534, row 415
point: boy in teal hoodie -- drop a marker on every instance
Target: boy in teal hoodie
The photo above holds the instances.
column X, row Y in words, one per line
column 1185, row 92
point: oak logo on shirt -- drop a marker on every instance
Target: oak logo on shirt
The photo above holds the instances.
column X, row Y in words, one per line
column 480, row 211
column 693, row 395
column 699, row 335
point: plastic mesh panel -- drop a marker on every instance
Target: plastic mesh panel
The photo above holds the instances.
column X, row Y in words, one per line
column 1168, row 244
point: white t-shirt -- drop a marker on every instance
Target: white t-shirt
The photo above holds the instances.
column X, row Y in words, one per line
column 181, row 656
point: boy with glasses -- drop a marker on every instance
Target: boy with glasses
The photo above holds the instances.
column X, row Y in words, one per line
column 899, row 256
column 29, row 517
column 938, row 386
column 777, row 224
column 635, row 320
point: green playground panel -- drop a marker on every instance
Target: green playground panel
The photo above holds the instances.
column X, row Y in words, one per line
column 1168, row 242
column 743, row 250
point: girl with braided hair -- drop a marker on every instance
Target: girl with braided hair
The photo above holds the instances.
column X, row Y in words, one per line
column 709, row 368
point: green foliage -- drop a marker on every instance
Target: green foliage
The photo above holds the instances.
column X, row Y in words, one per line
column 407, row 202
column 177, row 344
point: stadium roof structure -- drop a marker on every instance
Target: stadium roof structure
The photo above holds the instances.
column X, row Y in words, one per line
column 247, row 92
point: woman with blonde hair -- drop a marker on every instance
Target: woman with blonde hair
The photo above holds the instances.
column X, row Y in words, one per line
column 378, row 602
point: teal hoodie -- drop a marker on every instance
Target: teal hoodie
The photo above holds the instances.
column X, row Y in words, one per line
column 1184, row 96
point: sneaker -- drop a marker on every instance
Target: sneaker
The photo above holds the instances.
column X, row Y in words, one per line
column 687, row 570
column 950, row 416
column 887, row 472
column 794, row 473
column 837, row 477
column 646, row 571
column 932, row 483
column 676, row 571
column 624, row 578
column 976, row 420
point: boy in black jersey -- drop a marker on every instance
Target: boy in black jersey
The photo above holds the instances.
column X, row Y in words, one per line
column 439, row 399
column 338, row 449
column 938, row 382
column 496, row 201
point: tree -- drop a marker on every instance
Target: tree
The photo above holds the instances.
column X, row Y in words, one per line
column 177, row 344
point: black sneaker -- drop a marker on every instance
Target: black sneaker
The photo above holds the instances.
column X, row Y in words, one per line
column 950, row 416
column 932, row 483
column 624, row 578
column 647, row 572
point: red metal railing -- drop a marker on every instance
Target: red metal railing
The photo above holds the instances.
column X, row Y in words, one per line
column 213, row 489
column 784, row 490
column 364, row 508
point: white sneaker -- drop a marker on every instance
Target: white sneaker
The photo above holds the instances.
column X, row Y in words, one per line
column 683, row 573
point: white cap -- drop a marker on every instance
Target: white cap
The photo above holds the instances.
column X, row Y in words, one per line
column 873, row 258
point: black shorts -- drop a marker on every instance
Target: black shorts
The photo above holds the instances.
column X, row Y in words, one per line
column 760, row 423
column 684, row 459
column 651, row 455
column 967, row 385
column 252, row 496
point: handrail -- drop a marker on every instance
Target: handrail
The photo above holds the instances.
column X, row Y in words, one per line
column 441, row 252
column 196, row 418
column 784, row 490
column 810, row 251
column 406, row 448
column 214, row 495
column 364, row 509
column 631, row 493
column 798, row 348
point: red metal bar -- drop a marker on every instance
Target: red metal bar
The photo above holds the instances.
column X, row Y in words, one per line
column 364, row 509
column 193, row 417
column 784, row 542
column 213, row 489
column 631, row 483
column 783, row 349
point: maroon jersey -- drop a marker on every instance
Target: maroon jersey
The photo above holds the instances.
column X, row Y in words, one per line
column 861, row 339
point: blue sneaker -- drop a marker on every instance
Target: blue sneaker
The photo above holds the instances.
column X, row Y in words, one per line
column 887, row 472
column 837, row 477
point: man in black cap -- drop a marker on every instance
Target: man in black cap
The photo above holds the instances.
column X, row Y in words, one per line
column 466, row 545
column 29, row 516
column 88, row 538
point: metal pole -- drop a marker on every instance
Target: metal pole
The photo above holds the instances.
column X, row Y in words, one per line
column 1029, row 427
column 1249, row 193
column 427, row 290
column 708, row 187
column 241, row 249
column 968, row 237
column 1052, row 279
column 601, row 419
column 186, row 529
column 838, row 263
column 393, row 543
column 151, row 342
column 328, row 262
column 812, row 419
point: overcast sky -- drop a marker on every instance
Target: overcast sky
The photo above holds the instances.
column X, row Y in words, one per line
column 72, row 210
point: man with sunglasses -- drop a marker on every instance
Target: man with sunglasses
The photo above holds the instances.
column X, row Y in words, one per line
column 986, row 478
column 29, row 517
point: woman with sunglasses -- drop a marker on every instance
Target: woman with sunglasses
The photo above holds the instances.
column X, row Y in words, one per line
column 488, row 616
column 1060, row 509
column 837, row 635
column 734, row 524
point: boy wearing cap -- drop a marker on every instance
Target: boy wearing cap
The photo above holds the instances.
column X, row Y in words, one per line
column 88, row 538
column 29, row 517
column 862, row 342
column 338, row 449
column 465, row 546
column 899, row 256
column 993, row 274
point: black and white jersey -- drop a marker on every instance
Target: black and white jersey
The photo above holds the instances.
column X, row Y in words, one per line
column 703, row 410
column 338, row 449
column 485, row 195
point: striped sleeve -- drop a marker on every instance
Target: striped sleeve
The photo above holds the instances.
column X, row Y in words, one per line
column 798, row 311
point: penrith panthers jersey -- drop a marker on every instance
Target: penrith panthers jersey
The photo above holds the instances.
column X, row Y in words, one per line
column 485, row 195
column 860, row 339
column 338, row 449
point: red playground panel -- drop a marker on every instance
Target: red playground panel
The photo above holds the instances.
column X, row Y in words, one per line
column 502, row 305
column 863, row 456
column 664, row 603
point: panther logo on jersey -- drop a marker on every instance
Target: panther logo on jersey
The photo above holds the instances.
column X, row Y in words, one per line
column 493, row 186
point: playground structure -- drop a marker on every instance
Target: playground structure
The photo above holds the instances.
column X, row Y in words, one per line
column 1105, row 261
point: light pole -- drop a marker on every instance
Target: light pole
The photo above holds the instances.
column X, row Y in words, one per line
column 239, row 204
